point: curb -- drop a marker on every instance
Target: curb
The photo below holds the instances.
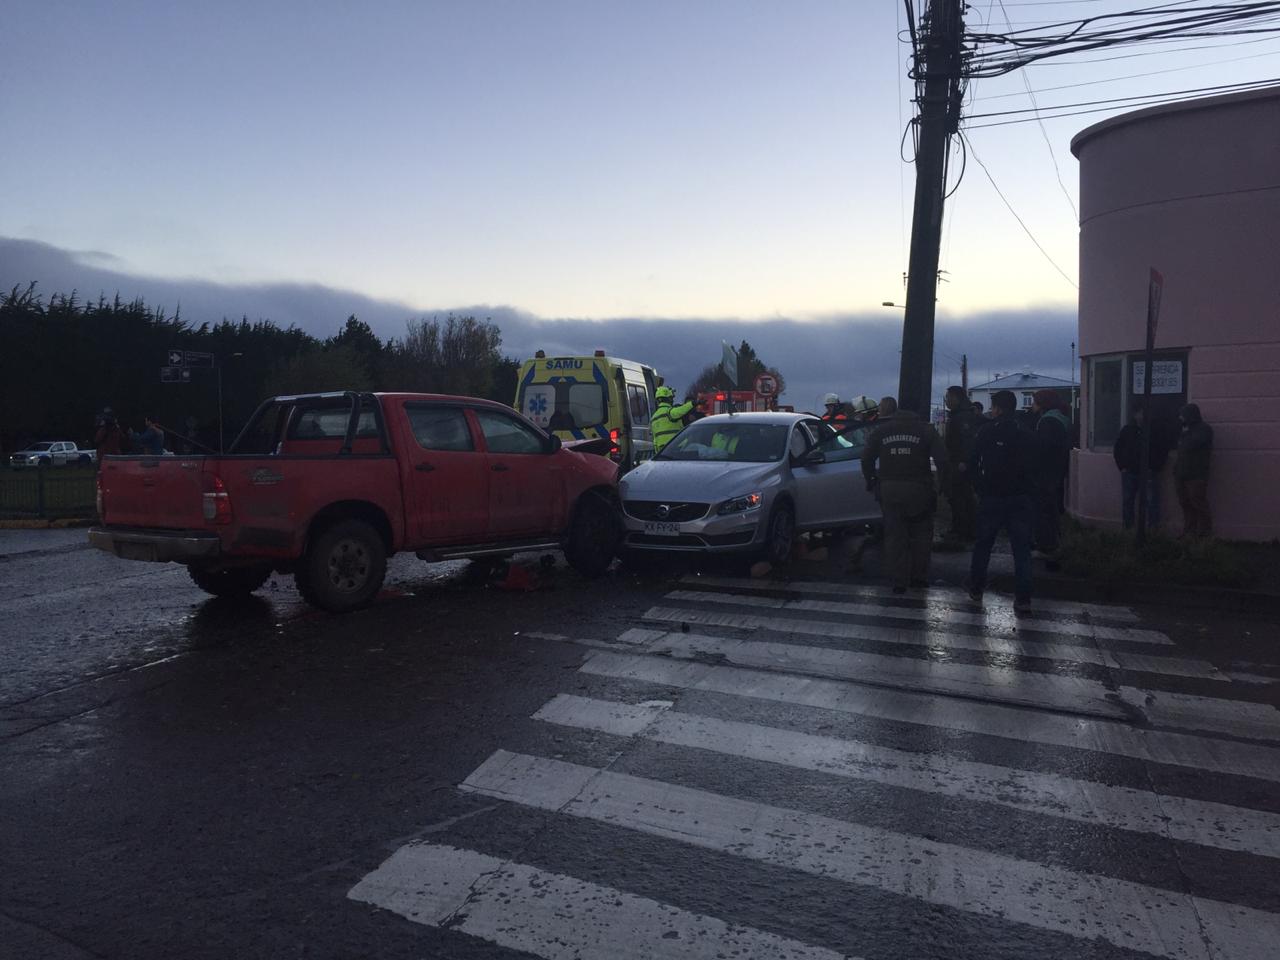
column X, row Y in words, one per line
column 38, row 524
column 1055, row 586
column 1222, row 599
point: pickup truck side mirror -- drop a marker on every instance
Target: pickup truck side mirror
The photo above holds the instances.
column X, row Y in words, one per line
column 553, row 444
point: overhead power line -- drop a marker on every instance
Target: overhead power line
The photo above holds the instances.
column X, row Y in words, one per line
column 1021, row 222
column 1114, row 101
column 992, row 54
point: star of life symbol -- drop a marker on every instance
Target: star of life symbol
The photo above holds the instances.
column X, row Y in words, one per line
column 538, row 404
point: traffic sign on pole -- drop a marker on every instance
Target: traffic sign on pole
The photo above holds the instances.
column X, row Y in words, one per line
column 176, row 358
column 194, row 358
column 172, row 374
column 766, row 385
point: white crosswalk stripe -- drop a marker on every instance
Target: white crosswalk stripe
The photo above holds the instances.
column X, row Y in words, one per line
column 936, row 596
column 1084, row 733
column 998, row 625
column 1155, row 921
column 1195, row 821
column 790, row 657
column 439, row 885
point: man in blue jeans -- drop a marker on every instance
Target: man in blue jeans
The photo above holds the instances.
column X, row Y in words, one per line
column 1002, row 466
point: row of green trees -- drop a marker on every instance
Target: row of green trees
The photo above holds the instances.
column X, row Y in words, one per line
column 62, row 361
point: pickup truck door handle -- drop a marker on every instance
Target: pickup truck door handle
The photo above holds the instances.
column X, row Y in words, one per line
column 424, row 467
column 499, row 467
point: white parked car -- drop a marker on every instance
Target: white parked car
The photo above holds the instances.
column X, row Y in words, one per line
column 747, row 482
column 52, row 453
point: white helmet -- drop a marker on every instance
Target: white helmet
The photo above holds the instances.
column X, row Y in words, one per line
column 864, row 405
column 831, row 398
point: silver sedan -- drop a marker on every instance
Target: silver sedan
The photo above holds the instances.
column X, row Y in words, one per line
column 747, row 482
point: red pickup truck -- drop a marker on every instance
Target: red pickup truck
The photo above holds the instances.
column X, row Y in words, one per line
column 327, row 486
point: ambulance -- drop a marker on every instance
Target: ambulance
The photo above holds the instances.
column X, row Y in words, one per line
column 592, row 398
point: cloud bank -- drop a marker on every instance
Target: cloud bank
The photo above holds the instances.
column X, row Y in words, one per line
column 849, row 354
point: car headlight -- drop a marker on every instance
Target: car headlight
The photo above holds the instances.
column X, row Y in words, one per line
column 741, row 504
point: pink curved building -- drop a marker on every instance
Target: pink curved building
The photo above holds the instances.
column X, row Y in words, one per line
column 1193, row 190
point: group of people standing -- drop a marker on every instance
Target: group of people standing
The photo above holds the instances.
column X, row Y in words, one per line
column 1194, row 443
column 999, row 473
column 1007, row 471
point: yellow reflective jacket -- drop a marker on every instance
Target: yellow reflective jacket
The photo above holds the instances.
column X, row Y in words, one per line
column 667, row 421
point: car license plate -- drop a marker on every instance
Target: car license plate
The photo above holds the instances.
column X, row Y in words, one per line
column 657, row 528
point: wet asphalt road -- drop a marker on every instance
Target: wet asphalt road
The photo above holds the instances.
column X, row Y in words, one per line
column 633, row 767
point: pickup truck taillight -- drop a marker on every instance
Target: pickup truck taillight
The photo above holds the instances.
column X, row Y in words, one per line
column 217, row 504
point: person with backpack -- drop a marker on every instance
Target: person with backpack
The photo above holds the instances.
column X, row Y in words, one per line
column 1002, row 466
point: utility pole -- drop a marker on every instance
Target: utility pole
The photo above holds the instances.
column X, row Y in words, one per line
column 964, row 374
column 939, row 119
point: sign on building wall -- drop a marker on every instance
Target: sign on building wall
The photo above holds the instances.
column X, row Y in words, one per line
column 1167, row 378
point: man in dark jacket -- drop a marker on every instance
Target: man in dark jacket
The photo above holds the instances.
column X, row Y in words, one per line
column 1053, row 458
column 897, row 459
column 1191, row 471
column 1003, row 467
column 961, row 431
column 1127, row 451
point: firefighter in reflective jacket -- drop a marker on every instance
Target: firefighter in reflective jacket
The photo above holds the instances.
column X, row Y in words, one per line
column 897, row 456
column 667, row 420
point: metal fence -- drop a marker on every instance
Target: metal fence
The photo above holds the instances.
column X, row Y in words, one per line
column 48, row 492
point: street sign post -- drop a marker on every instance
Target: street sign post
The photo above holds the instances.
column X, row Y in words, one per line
column 176, row 357
column 1155, row 290
column 766, row 385
column 729, row 362
column 175, row 374
column 194, row 358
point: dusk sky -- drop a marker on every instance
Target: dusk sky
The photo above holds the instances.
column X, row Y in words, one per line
column 590, row 160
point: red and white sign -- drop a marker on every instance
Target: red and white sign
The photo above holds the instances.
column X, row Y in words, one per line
column 766, row 385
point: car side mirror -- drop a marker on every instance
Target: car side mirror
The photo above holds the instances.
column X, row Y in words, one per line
column 814, row 457
column 553, row 444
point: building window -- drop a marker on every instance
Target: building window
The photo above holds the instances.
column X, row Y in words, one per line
column 1116, row 385
column 1028, row 398
column 1106, row 400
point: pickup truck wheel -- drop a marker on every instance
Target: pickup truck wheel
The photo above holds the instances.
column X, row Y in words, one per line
column 343, row 568
column 230, row 581
column 593, row 537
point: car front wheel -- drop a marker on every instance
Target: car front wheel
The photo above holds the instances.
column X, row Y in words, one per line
column 593, row 536
column 780, row 535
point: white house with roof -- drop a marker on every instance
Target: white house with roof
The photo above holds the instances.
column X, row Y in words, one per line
column 1024, row 386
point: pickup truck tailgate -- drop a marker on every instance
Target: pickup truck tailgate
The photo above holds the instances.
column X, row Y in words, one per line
column 156, row 492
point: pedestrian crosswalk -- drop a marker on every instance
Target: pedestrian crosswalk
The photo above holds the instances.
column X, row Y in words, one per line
column 769, row 769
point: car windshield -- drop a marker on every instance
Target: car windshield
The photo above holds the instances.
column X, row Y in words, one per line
column 726, row 440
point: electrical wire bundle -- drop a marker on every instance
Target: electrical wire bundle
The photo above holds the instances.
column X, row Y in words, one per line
column 995, row 54
column 991, row 54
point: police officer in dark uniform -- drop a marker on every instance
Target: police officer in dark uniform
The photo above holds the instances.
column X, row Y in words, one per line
column 962, row 428
column 897, row 459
